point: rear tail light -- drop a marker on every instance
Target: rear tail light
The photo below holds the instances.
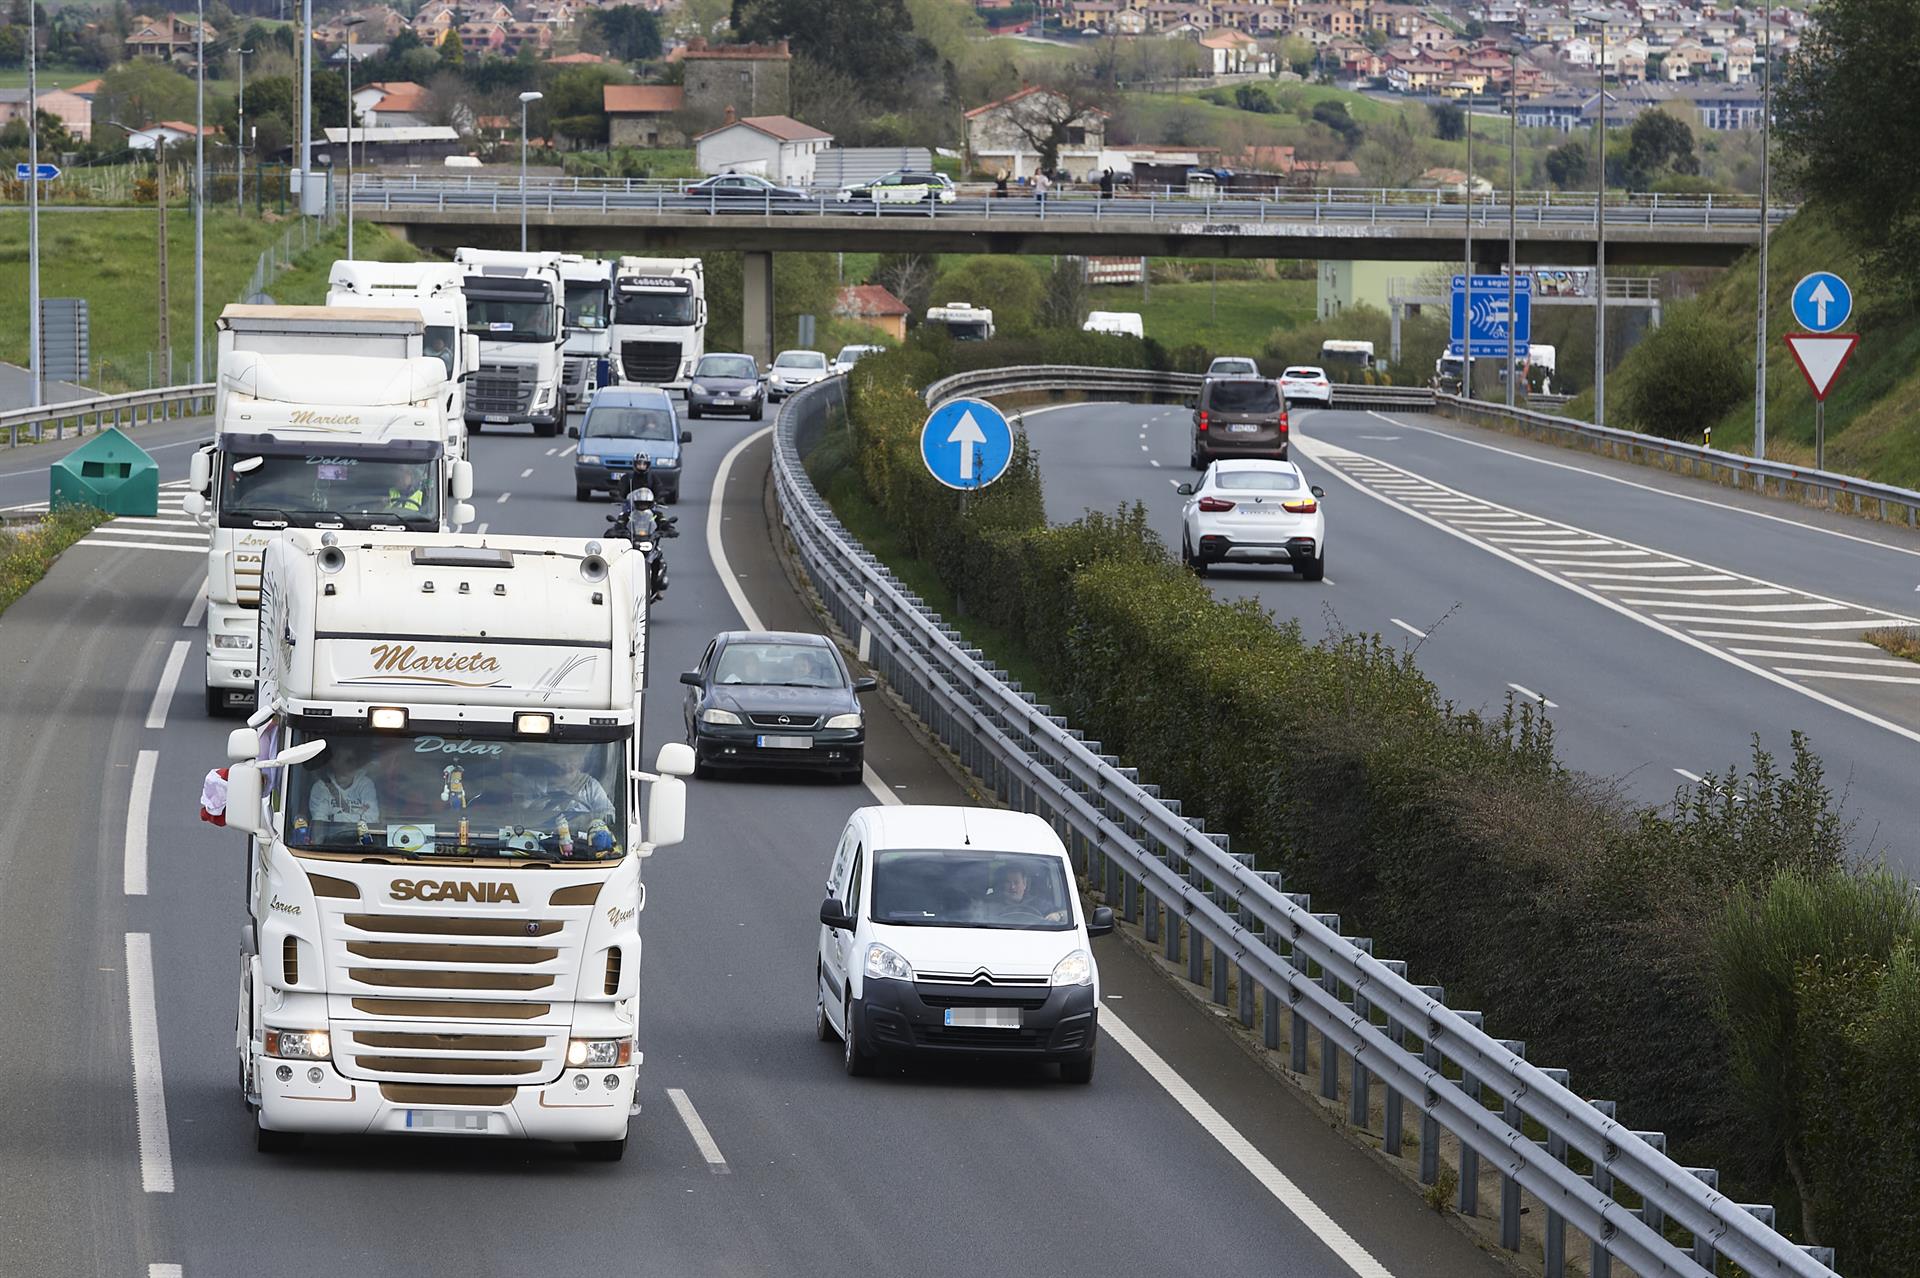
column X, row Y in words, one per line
column 1215, row 504
column 1305, row 506
column 1203, row 421
column 1283, row 423
column 1321, row 382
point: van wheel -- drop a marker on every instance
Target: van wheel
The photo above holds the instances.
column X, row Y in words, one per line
column 582, row 494
column 272, row 1142
column 1080, row 1071
column 854, row 1056
column 602, row 1151
column 822, row 1027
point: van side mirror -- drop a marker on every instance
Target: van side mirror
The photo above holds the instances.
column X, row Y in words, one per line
column 834, row 915
column 1185, row 490
column 865, row 683
column 686, row 437
column 573, row 432
column 1101, row 924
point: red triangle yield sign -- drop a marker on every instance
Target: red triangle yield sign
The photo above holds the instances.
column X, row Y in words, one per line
column 1821, row 356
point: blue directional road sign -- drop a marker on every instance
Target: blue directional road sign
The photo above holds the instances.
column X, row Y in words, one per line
column 1490, row 315
column 1822, row 302
column 966, row 444
column 46, row 172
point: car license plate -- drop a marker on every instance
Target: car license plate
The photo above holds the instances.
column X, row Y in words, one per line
column 1260, row 510
column 445, row 1120
column 723, row 399
column 1242, row 428
column 500, row 418
column 984, row 1017
column 766, row 742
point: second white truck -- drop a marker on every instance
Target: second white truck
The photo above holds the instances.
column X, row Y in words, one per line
column 516, row 306
column 659, row 319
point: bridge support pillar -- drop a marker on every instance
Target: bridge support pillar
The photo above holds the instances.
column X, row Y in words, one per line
column 756, row 306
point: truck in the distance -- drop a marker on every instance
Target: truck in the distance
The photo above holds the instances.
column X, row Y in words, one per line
column 659, row 319
column 516, row 307
column 433, row 289
column 588, row 352
column 963, row 321
column 443, row 784
column 314, row 440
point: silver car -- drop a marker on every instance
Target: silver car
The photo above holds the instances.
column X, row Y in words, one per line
column 793, row 370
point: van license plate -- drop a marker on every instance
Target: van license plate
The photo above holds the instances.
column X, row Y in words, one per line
column 445, row 1120
column 784, row 743
column 984, row 1017
column 1242, row 428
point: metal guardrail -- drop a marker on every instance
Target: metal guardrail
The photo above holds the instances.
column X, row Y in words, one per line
column 106, row 410
column 1128, row 383
column 1190, row 893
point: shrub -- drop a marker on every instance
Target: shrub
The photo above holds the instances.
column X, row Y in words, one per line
column 26, row 556
column 1687, row 374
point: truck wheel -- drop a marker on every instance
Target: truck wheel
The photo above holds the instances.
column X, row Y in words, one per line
column 216, row 702
column 272, row 1142
column 602, row 1151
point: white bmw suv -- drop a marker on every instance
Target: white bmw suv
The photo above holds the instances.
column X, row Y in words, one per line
column 957, row 932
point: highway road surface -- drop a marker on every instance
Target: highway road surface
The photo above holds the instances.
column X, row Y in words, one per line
column 1662, row 622
column 128, row 1149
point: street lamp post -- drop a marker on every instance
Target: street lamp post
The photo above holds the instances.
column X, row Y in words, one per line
column 351, row 22
column 33, row 201
column 1600, row 250
column 200, row 192
column 1466, row 309
column 305, row 146
column 526, row 99
column 1766, row 175
column 240, row 139
column 1513, row 193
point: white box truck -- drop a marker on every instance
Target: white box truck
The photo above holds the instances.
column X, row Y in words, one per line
column 588, row 353
column 329, row 440
column 516, row 306
column 443, row 787
column 435, row 290
column 659, row 319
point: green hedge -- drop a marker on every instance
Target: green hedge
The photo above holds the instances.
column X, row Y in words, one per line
column 1577, row 921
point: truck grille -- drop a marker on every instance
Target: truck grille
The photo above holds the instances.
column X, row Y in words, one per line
column 500, row 388
column 651, row 362
column 575, row 376
column 246, row 577
column 419, row 1054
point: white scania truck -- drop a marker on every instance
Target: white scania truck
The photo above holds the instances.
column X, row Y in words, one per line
column 588, row 353
column 314, row 440
column 659, row 319
column 435, row 290
column 443, row 784
column 963, row 321
column 516, row 306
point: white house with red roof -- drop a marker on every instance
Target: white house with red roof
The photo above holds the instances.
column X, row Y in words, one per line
column 777, row 147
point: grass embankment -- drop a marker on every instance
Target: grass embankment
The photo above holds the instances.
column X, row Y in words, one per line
column 1234, row 319
column 26, row 556
column 109, row 258
column 1896, row 640
column 1873, row 414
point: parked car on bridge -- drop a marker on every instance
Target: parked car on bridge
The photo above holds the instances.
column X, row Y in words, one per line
column 1254, row 512
column 745, row 193
column 902, row 186
column 956, row 932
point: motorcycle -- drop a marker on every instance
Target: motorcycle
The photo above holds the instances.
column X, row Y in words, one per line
column 639, row 522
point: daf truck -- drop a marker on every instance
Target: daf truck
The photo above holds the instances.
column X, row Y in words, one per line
column 433, row 289
column 659, row 319
column 588, row 353
column 444, row 889
column 516, row 306
column 327, row 440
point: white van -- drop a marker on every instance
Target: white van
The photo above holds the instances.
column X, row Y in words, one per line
column 1114, row 323
column 957, row 932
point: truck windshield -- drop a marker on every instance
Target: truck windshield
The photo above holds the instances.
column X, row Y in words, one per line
column 587, row 304
column 427, row 796
column 967, row 330
column 635, row 307
column 305, row 491
column 510, row 319
column 966, row 887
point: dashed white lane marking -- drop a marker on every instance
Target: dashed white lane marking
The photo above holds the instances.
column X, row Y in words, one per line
column 133, row 876
column 197, row 610
column 1415, row 631
column 480, row 528
column 1243, row 1151
column 149, row 1092
column 1694, row 777
column 527, row 473
column 697, row 1128
column 570, row 450
column 1154, row 462
column 501, row 500
column 1846, row 674
column 1531, row 695
column 142, row 545
column 169, row 681
column 165, row 1271
column 553, row 451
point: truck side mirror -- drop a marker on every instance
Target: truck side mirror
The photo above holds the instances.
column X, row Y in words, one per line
column 470, row 344
column 460, row 481
column 243, row 798
column 666, row 813
column 200, row 470
column 675, row 759
column 194, row 505
column 243, row 745
column 464, row 514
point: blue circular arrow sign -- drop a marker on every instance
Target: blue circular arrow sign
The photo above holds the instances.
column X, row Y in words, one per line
column 966, row 443
column 1822, row 302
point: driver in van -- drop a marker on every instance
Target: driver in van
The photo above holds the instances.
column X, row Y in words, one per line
column 1018, row 897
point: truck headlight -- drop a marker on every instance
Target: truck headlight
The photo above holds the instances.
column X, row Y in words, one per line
column 599, row 1053
column 1075, row 969
column 843, row 721
column 299, row 1045
column 713, row 714
column 240, row 643
column 887, row 965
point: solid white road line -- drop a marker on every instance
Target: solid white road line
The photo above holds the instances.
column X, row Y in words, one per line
column 1415, row 631
column 1531, row 695
column 149, row 1093
column 192, row 524
column 1641, row 576
column 1258, row 1165
column 1642, row 586
column 697, row 1129
column 197, row 610
column 1836, row 658
column 139, row 804
column 165, row 1271
column 1875, row 623
column 1798, row 641
column 1845, row 674
column 169, row 680
column 200, row 549
column 1738, row 608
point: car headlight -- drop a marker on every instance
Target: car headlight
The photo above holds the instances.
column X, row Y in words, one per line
column 241, row 642
column 589, row 459
column 713, row 714
column 697, row 389
column 844, row 721
column 599, row 1053
column 1075, row 969
column 299, row 1045
column 885, row 964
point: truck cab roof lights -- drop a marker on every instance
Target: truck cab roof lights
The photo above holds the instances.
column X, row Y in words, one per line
column 461, row 557
column 387, row 718
column 533, row 725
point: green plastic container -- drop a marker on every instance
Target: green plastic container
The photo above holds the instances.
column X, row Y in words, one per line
column 109, row 472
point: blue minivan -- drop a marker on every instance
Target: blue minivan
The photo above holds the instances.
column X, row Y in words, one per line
column 629, row 428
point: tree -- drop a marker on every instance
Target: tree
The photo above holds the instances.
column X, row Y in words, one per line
column 142, row 92
column 1333, row 114
column 13, row 47
column 1449, row 121
column 1254, row 98
column 1568, row 166
column 871, row 39
column 1843, row 136
column 452, row 52
column 909, row 277
column 1010, row 285
column 1063, row 302
column 576, row 99
column 1391, row 157
column 626, row 31
column 1687, row 374
column 1056, row 115
column 1474, row 29
column 1658, row 143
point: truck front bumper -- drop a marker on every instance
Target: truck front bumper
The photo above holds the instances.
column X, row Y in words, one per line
column 230, row 667
column 314, row 1096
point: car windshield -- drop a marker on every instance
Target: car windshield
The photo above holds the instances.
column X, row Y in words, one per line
column 777, row 665
column 1305, row 374
column 587, row 304
column 853, row 354
column 965, row 887
column 801, row 359
column 501, row 319
column 1232, row 366
column 726, row 366
column 425, row 796
column 1244, row 397
column 305, row 491
column 635, row 307
column 1271, row 481
column 627, row 422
